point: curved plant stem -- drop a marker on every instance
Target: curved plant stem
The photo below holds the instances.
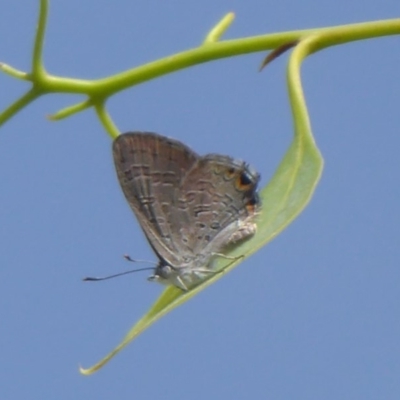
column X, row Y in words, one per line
column 15, row 73
column 106, row 120
column 211, row 49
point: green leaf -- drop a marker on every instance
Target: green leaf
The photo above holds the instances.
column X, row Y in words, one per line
column 283, row 199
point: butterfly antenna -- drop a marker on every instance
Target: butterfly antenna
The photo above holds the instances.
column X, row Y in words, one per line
column 128, row 258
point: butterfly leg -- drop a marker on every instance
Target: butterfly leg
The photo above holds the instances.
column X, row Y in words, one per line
column 233, row 258
column 181, row 284
column 227, row 257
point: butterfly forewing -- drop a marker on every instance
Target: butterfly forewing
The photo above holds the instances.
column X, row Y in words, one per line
column 150, row 169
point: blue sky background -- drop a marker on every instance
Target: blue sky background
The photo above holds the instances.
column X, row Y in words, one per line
column 314, row 315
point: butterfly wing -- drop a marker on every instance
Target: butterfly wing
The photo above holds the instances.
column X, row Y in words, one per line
column 219, row 201
column 150, row 169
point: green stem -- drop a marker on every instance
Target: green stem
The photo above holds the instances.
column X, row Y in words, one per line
column 101, row 89
column 215, row 34
column 38, row 70
column 230, row 48
column 15, row 73
column 68, row 111
column 106, row 120
column 18, row 105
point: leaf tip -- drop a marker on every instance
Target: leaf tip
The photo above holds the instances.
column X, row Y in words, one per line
column 85, row 371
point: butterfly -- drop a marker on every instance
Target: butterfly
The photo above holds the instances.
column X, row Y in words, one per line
column 190, row 207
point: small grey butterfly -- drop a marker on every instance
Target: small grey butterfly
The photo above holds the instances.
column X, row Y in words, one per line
column 190, row 207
